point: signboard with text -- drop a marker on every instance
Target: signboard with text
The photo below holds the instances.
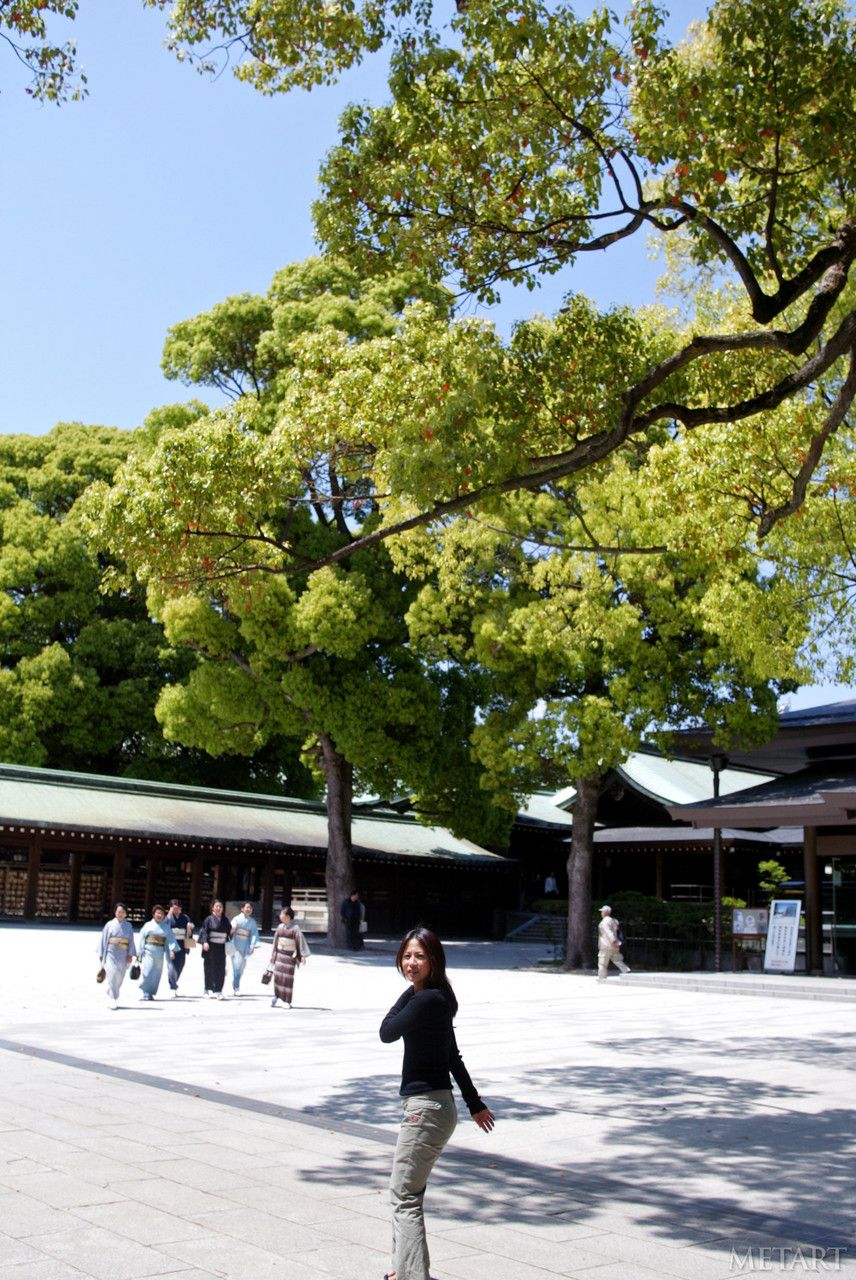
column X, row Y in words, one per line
column 749, row 922
column 782, row 935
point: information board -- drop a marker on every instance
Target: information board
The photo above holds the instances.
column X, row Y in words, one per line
column 782, row 935
column 749, row 922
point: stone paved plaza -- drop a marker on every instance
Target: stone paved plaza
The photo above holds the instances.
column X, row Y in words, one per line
column 643, row 1131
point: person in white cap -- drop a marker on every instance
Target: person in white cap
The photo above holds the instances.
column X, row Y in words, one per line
column 608, row 946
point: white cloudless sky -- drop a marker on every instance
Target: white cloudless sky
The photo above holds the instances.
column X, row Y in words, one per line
column 159, row 195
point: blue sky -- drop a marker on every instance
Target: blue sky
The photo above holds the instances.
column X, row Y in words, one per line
column 157, row 196
column 161, row 194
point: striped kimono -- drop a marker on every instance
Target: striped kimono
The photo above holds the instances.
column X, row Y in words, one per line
column 289, row 950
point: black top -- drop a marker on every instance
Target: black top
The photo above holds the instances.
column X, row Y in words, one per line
column 431, row 1053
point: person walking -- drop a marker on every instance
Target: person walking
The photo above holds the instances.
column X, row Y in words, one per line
column 422, row 1017
column 608, row 945
column 182, row 927
column 118, row 949
column 353, row 913
column 289, row 950
column 156, row 938
column 245, row 939
column 213, row 936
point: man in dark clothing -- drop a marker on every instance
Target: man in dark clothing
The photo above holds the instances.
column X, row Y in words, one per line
column 352, row 914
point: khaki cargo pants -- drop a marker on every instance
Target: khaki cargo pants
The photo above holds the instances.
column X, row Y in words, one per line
column 427, row 1124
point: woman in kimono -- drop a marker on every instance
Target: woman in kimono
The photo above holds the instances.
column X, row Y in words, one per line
column 156, row 938
column 289, row 950
column 245, row 938
column 117, row 951
column 213, row 936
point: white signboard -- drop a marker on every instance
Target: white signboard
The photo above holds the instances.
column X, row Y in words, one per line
column 782, row 935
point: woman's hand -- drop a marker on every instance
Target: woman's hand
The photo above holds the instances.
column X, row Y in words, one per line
column 485, row 1119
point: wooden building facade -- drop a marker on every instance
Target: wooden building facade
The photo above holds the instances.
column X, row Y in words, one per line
column 71, row 845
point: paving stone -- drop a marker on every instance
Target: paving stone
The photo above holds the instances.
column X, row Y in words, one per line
column 60, row 1190
column 105, row 1255
column 45, row 1269
column 140, row 1222
column 23, row 1216
column 13, row 1250
column 265, row 1231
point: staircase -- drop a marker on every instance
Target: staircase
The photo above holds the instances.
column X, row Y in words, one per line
column 526, row 926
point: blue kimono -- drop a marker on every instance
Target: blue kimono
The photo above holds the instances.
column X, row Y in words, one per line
column 117, row 948
column 155, row 939
column 245, row 938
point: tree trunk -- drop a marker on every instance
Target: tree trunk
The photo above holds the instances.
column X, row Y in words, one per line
column 580, row 949
column 339, row 874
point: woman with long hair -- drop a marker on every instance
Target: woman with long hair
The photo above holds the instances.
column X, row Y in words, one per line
column 422, row 1017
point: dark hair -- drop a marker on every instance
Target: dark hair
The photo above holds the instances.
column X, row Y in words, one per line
column 118, row 905
column 157, row 907
column 433, row 948
column 287, row 911
column 175, row 902
column 214, row 902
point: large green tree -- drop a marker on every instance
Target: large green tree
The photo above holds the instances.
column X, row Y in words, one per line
column 212, row 516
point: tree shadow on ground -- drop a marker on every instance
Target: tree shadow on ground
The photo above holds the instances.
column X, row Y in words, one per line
column 711, row 1153
column 795, row 1048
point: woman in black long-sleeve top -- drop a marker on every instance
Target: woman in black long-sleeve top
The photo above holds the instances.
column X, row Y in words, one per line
column 423, row 1018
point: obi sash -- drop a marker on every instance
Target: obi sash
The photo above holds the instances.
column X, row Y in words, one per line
column 179, row 931
column 217, row 937
column 118, row 942
column 288, row 945
column 152, row 940
column 242, row 933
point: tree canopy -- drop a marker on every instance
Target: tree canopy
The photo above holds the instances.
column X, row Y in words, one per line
column 80, row 672
column 518, row 136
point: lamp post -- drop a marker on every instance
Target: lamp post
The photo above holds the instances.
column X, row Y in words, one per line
column 717, row 764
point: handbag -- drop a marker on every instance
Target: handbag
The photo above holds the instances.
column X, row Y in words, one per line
column 135, row 972
column 189, row 943
column 266, row 976
column 101, row 974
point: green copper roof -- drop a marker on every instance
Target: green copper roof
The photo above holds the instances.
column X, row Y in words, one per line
column 55, row 801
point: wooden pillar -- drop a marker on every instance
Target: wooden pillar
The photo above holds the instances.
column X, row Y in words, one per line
column 74, row 896
column 34, row 863
column 119, row 863
column 197, row 908
column 267, row 893
column 151, row 883
column 659, row 878
column 813, row 915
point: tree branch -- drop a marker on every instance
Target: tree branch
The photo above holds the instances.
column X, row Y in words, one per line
column 815, row 451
